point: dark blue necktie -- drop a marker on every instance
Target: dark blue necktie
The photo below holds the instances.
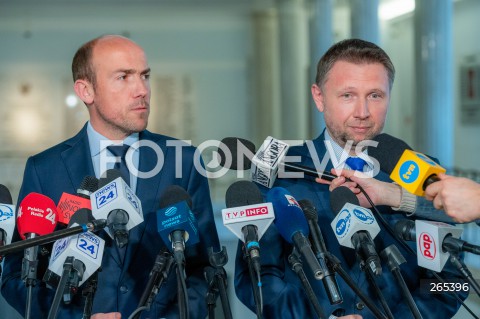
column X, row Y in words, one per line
column 121, row 151
column 356, row 163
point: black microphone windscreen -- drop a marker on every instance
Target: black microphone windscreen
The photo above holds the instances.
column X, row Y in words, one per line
column 405, row 229
column 309, row 209
column 388, row 151
column 89, row 183
column 237, row 147
column 5, row 196
column 81, row 216
column 174, row 194
column 340, row 196
column 108, row 176
column 243, row 193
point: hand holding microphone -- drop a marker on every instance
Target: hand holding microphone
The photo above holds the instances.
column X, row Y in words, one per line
column 412, row 170
column 459, row 197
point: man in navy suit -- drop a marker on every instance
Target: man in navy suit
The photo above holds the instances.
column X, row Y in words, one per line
column 111, row 77
column 352, row 90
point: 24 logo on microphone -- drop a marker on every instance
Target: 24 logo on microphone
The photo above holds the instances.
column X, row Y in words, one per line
column 88, row 244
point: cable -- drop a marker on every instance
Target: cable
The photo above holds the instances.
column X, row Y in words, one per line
column 405, row 245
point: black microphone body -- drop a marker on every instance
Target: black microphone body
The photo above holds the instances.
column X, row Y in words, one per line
column 319, row 248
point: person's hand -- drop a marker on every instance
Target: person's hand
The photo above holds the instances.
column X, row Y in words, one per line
column 381, row 193
column 110, row 315
column 459, row 197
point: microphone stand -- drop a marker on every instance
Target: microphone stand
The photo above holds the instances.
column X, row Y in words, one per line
column 256, row 284
column 211, row 296
column 182, row 293
column 394, row 259
column 320, row 249
column 371, row 278
column 217, row 279
column 89, row 293
column 455, row 259
column 29, row 272
column 337, row 267
column 67, row 268
column 159, row 273
column 297, row 267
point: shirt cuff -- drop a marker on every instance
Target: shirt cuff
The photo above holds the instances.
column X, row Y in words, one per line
column 408, row 202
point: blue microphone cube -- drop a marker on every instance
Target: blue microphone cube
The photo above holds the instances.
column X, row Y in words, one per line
column 177, row 217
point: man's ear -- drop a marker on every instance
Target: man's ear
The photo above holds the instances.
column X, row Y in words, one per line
column 317, row 97
column 84, row 91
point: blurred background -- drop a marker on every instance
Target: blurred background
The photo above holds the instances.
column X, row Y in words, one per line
column 243, row 68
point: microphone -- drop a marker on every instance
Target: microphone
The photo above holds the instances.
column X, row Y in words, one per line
column 175, row 221
column 36, row 216
column 293, row 227
column 237, row 154
column 355, row 227
column 393, row 258
column 412, row 170
column 86, row 250
column 7, row 217
column 69, row 204
column 177, row 224
column 116, row 202
column 158, row 275
column 266, row 163
column 329, row 280
column 435, row 241
column 247, row 216
column 74, row 259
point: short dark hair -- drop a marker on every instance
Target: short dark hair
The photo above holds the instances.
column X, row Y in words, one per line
column 82, row 67
column 354, row 51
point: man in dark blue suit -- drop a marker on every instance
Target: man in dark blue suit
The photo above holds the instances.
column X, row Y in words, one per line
column 111, row 77
column 352, row 90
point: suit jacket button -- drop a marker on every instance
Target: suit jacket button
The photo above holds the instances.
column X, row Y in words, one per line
column 123, row 289
column 360, row 305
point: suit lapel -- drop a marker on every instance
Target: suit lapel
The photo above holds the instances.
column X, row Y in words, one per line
column 147, row 189
column 78, row 162
column 313, row 157
column 77, row 158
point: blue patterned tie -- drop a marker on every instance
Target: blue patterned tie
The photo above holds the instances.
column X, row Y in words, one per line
column 121, row 151
column 356, row 163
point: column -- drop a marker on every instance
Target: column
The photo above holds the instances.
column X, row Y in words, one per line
column 364, row 20
column 294, row 63
column 321, row 38
column 434, row 89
